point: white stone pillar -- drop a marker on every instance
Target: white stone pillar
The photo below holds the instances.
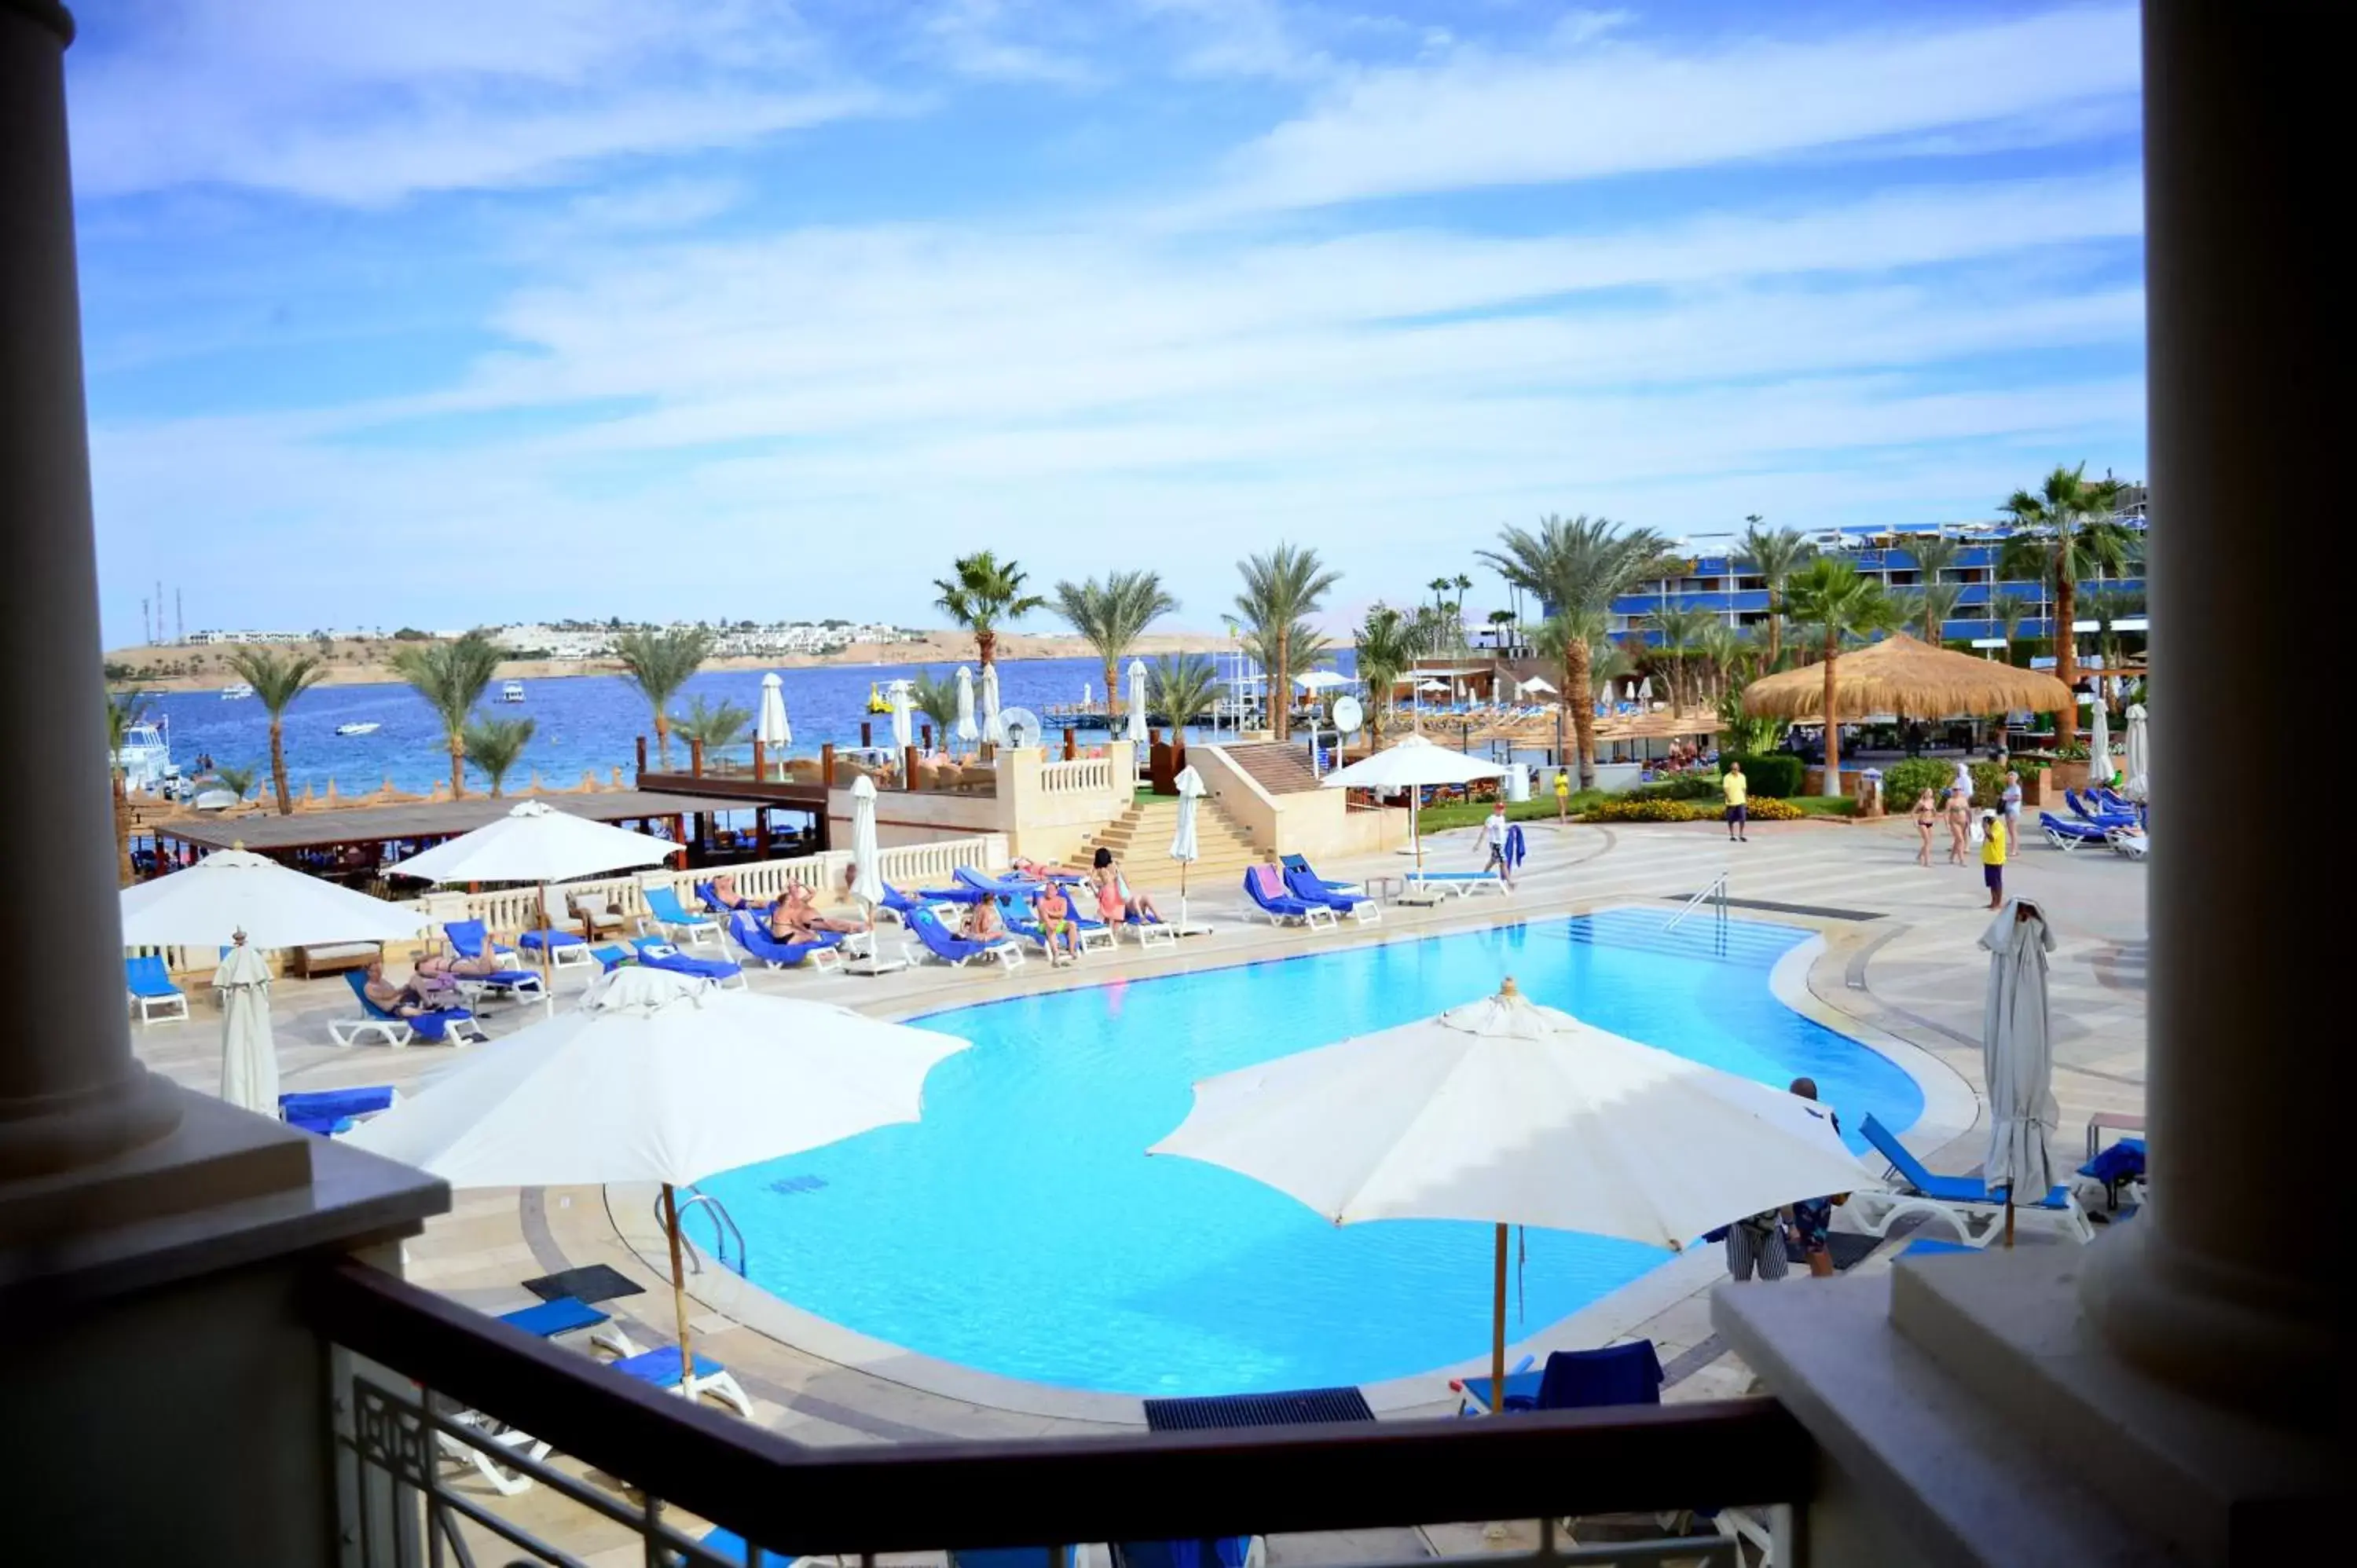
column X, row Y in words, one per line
column 2225, row 1288
column 70, row 1092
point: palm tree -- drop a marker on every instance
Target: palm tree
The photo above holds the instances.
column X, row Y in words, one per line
column 1388, row 643
column 659, row 663
column 238, row 781
column 495, row 746
column 1499, row 621
column 1775, row 554
column 2062, row 534
column 1682, row 632
column 1724, row 649
column 1280, row 588
column 715, row 728
column 1833, row 596
column 935, row 696
column 451, row 677
column 1110, row 614
column 1181, row 688
column 122, row 712
column 2008, row 610
column 1935, row 555
column 979, row 593
column 1935, row 603
column 1577, row 566
column 278, row 678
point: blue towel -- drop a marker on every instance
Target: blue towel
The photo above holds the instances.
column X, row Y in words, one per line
column 1515, row 847
column 547, row 1319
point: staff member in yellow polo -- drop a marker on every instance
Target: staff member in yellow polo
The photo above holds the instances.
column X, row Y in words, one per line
column 1738, row 814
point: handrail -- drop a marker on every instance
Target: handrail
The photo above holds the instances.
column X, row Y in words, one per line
column 724, row 1226
column 1160, row 1485
column 1718, row 889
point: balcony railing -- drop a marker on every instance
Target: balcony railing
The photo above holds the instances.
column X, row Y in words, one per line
column 417, row 1378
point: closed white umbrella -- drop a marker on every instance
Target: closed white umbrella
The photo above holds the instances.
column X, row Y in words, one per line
column 867, row 880
column 993, row 731
column 537, row 842
column 2099, row 745
column 248, row 1056
column 966, row 730
column 904, row 720
column 1190, row 785
column 1506, row 1111
column 1135, row 734
column 2017, row 1057
column 232, row 891
column 664, row 1077
column 1410, row 764
column 2137, row 785
column 772, row 730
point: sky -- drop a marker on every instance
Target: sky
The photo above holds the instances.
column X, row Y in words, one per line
column 450, row 313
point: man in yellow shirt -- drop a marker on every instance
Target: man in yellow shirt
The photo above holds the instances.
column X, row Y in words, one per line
column 1992, row 847
column 1738, row 794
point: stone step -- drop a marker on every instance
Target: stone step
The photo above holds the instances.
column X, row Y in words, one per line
column 1279, row 768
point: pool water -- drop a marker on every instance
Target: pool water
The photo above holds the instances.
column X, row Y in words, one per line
column 1021, row 1229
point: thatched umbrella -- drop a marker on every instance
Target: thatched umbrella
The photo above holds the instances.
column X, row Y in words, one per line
column 1914, row 680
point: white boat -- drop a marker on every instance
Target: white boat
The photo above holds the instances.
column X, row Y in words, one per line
column 147, row 758
column 236, row 690
column 511, row 693
column 366, row 727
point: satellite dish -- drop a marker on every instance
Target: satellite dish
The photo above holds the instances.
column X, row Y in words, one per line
column 1347, row 714
column 1022, row 725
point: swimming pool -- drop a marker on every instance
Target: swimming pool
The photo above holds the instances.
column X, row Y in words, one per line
column 1021, row 1229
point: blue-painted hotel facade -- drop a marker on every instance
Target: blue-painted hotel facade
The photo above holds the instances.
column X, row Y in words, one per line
column 1718, row 581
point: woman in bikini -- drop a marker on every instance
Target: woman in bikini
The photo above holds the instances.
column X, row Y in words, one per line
column 1927, row 813
column 1960, row 823
column 1116, row 900
column 805, row 906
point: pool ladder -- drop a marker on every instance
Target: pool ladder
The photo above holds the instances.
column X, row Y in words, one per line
column 1715, row 893
column 723, row 1230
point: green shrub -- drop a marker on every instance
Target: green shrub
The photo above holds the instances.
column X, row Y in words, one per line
column 1773, row 774
column 1683, row 787
column 1902, row 781
column 1624, row 809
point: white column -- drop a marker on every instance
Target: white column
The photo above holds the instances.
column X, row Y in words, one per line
column 70, row 1092
column 2226, row 1287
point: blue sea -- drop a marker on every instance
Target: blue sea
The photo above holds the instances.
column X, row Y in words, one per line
column 586, row 722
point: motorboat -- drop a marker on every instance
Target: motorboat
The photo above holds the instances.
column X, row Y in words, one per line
column 236, row 691
column 367, row 726
column 146, row 758
column 511, row 693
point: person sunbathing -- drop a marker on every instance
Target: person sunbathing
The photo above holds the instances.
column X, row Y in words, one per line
column 441, row 969
column 982, row 923
column 723, row 892
column 804, row 905
column 1054, row 908
column 409, row 1000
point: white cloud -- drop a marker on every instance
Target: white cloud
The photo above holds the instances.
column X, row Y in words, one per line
column 368, row 104
column 979, row 38
column 1611, row 106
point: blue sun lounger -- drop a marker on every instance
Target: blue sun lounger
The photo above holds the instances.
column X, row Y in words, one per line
column 329, row 1112
column 2066, row 835
column 152, row 990
column 1577, row 1380
column 666, row 914
column 1974, row 1208
column 745, row 930
column 1280, row 909
column 568, row 1314
column 958, row 951
column 443, row 1025
column 467, row 938
column 654, row 952
column 1310, row 889
column 1464, row 884
column 659, row 1368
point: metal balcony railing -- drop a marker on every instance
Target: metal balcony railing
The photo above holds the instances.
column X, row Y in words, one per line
column 419, row 1383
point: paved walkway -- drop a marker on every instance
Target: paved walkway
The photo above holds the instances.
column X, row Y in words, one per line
column 1898, row 964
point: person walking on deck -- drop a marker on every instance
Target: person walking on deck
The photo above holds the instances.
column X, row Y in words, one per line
column 1737, row 790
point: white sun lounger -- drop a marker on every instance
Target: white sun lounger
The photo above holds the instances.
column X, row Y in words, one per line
column 1463, row 883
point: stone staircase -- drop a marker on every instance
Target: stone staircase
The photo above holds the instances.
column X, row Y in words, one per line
column 1140, row 838
column 1279, row 768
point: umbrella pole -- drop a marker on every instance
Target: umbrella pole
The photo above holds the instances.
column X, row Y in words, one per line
column 1498, row 1333
column 679, row 1284
column 2008, row 1218
column 547, row 953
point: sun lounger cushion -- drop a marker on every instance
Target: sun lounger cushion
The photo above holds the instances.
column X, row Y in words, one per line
column 659, row 1367
column 146, row 976
column 547, row 1319
column 1614, row 1375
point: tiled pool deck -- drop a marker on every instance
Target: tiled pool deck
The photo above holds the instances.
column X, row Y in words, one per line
column 1909, row 979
